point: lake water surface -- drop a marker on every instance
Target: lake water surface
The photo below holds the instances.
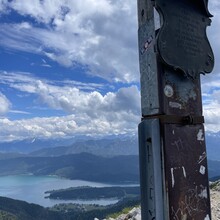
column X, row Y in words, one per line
column 32, row 189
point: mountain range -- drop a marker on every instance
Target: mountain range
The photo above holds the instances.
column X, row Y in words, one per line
column 102, row 147
column 109, row 146
column 82, row 166
column 97, row 159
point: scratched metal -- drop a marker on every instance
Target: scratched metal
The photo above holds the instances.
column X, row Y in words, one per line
column 186, row 172
column 184, row 147
column 185, row 98
column 145, row 12
column 147, row 59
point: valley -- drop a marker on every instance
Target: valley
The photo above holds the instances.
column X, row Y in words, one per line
column 108, row 162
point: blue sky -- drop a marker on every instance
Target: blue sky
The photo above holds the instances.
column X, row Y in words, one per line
column 70, row 68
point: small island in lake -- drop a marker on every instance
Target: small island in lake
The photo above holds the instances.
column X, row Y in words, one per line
column 90, row 193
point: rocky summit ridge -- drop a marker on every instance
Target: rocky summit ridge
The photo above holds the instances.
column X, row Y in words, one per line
column 215, row 199
column 133, row 214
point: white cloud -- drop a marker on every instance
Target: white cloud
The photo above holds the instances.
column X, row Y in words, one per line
column 26, row 79
column 74, row 97
column 211, row 101
column 62, row 127
column 19, row 112
column 212, row 116
column 4, row 104
column 42, row 11
column 3, row 6
column 102, row 36
column 214, row 33
column 89, row 112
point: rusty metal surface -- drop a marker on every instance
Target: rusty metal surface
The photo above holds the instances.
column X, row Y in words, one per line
column 180, row 95
column 182, row 41
column 186, row 172
column 185, row 158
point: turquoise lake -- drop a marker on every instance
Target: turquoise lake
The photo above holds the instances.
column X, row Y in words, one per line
column 32, row 189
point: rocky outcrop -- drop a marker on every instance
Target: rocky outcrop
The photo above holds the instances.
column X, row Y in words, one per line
column 134, row 214
column 215, row 199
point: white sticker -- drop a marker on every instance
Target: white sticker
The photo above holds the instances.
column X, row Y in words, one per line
column 207, row 217
column 204, row 194
column 200, row 135
column 173, row 180
column 175, row 105
column 168, row 91
column 184, row 171
column 202, row 170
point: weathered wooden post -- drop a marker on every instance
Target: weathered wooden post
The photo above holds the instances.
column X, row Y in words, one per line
column 173, row 161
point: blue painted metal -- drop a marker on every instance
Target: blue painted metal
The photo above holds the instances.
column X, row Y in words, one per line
column 151, row 173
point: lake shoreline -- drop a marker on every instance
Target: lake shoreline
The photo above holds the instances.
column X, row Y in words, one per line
column 32, row 188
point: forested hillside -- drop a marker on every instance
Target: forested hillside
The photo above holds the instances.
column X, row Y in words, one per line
column 76, row 166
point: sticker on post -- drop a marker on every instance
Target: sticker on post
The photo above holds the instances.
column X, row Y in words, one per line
column 175, row 105
column 168, row 91
column 202, row 170
column 200, row 135
column 207, row 217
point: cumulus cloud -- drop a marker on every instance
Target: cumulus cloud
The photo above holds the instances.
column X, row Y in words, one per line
column 71, row 98
column 62, row 127
column 68, row 126
column 211, row 101
column 102, row 36
column 212, row 116
column 88, row 112
column 3, row 6
column 213, row 32
column 4, row 104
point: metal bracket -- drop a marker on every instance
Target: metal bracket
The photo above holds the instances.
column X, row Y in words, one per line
column 175, row 119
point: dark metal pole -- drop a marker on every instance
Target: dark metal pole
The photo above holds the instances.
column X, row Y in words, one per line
column 173, row 161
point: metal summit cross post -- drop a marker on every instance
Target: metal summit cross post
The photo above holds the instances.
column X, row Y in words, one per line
column 173, row 162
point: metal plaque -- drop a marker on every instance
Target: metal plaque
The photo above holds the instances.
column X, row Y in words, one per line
column 182, row 42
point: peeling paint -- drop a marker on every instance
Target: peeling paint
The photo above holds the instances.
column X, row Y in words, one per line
column 173, row 180
column 207, row 217
column 200, row 135
column 202, row 157
column 175, row 105
column 204, row 194
column 202, row 170
column 186, row 92
column 184, row 217
column 184, row 171
column 147, row 44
